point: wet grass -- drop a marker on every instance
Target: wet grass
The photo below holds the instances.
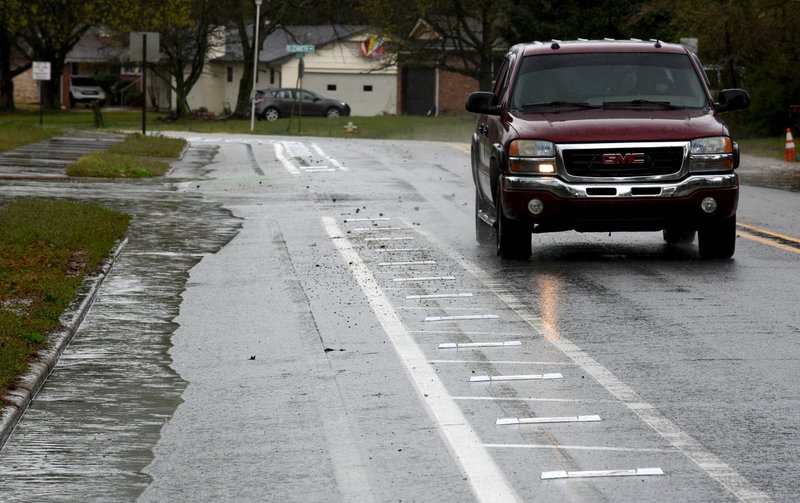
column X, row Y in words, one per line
column 136, row 157
column 46, row 249
column 12, row 136
column 108, row 165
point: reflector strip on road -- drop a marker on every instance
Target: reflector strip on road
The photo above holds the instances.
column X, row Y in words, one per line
column 635, row 472
column 544, row 420
column 366, row 219
column 470, row 345
column 404, row 238
column 531, row 377
column 400, row 250
column 315, row 169
column 424, row 278
column 562, row 447
column 438, row 296
column 463, row 317
column 417, row 262
column 377, row 229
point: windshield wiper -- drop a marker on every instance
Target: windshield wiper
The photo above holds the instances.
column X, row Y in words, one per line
column 555, row 104
column 639, row 103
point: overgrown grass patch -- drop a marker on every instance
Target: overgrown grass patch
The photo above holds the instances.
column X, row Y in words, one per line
column 13, row 137
column 150, row 146
column 108, row 165
column 46, row 249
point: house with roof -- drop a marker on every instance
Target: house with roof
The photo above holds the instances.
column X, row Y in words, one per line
column 347, row 64
column 429, row 81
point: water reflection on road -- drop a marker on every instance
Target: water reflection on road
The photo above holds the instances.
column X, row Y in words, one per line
column 86, row 436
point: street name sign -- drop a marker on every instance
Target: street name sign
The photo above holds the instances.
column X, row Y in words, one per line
column 300, row 48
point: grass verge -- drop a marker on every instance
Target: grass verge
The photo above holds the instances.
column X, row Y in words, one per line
column 46, row 249
column 136, row 157
column 13, row 137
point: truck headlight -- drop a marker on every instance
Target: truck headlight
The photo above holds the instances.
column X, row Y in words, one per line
column 714, row 153
column 532, row 156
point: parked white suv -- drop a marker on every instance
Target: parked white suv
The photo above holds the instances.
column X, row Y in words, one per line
column 84, row 90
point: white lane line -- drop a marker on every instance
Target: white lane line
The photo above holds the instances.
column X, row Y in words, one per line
column 462, row 317
column 280, row 153
column 471, row 345
column 504, row 421
column 520, row 377
column 634, row 472
column 328, row 158
column 487, row 481
column 559, row 447
column 439, row 296
column 424, row 279
column 710, row 463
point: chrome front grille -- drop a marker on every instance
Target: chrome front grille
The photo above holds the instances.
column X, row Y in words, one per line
column 622, row 161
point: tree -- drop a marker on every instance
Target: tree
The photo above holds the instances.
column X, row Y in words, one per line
column 13, row 19
column 186, row 44
column 466, row 36
column 272, row 14
column 753, row 44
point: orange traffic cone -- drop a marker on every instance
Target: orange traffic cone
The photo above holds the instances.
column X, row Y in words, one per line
column 791, row 153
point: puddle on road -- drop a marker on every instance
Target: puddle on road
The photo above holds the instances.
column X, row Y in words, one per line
column 88, row 435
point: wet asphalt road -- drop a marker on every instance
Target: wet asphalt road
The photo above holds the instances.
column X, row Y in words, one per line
column 300, row 359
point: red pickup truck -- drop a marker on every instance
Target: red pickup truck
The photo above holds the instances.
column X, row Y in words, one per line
column 604, row 136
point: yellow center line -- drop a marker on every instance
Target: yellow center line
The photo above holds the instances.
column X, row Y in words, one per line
column 768, row 233
column 766, row 241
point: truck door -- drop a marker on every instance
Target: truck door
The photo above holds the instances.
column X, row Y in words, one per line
column 489, row 130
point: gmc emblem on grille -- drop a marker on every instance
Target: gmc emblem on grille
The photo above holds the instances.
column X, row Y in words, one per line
column 637, row 158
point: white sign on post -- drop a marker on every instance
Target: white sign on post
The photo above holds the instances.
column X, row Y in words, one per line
column 137, row 46
column 41, row 70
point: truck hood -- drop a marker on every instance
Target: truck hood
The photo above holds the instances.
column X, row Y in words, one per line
column 604, row 125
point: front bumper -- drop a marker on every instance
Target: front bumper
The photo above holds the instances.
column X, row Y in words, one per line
column 619, row 206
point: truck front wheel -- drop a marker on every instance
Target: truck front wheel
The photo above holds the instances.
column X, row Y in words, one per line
column 718, row 240
column 513, row 240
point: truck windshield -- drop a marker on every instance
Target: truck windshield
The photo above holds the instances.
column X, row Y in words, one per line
column 612, row 80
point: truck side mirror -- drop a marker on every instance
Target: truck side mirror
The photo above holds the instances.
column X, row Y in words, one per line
column 482, row 102
column 732, row 99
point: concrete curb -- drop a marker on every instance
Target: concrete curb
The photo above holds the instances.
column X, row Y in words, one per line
column 25, row 389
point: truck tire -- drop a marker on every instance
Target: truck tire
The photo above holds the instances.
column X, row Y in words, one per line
column 513, row 240
column 483, row 231
column 718, row 240
column 676, row 235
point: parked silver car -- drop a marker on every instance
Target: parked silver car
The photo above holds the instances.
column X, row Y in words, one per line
column 85, row 89
column 272, row 104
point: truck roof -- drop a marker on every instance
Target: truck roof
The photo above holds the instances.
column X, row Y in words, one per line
column 607, row 45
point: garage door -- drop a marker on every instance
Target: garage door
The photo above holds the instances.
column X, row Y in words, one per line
column 367, row 94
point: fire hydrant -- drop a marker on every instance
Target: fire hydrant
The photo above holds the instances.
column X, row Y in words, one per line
column 350, row 129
